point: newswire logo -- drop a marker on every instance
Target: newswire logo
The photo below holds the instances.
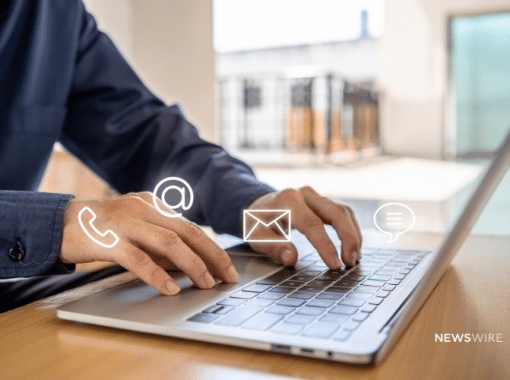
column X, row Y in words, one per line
column 468, row 338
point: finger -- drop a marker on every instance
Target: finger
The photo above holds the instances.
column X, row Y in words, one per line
column 165, row 243
column 215, row 258
column 305, row 221
column 340, row 218
column 281, row 252
column 139, row 263
column 358, row 229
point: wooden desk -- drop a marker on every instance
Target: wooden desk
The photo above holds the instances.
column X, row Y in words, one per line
column 472, row 297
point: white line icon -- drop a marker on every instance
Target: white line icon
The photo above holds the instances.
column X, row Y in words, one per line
column 394, row 219
column 255, row 215
column 169, row 183
column 99, row 234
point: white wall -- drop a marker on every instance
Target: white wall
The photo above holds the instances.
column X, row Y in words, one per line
column 414, row 71
column 169, row 43
column 115, row 18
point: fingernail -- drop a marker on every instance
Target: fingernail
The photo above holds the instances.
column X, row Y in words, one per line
column 209, row 280
column 287, row 257
column 172, row 287
column 232, row 274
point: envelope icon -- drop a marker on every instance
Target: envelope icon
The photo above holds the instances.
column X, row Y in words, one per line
column 257, row 219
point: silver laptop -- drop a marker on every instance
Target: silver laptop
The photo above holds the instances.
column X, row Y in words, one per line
column 350, row 315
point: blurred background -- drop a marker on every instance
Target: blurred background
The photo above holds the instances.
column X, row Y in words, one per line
column 369, row 101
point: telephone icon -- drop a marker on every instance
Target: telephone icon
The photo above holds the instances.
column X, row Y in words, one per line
column 93, row 233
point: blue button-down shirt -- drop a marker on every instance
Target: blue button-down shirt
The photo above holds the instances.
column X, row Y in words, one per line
column 63, row 80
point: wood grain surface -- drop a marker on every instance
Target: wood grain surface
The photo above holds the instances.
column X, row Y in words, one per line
column 472, row 297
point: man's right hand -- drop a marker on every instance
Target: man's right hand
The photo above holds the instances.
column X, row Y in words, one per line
column 149, row 243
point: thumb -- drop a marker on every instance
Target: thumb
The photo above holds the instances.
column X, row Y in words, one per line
column 281, row 252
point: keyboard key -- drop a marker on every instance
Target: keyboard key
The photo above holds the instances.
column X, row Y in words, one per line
column 212, row 309
column 320, row 303
column 360, row 317
column 312, row 273
column 359, row 295
column 380, row 278
column 363, row 272
column 329, row 296
column 332, row 275
column 301, row 278
column 351, row 325
column 244, row 295
column 365, row 289
column 399, row 277
column 308, row 310
column 389, row 288
column 347, row 310
column 301, row 295
column 238, row 316
column 223, row 310
column 291, row 302
column 278, row 309
column 346, row 283
column 342, row 335
column 292, row 284
column 382, row 294
column 260, row 302
column 337, row 319
column 375, row 301
column 257, row 288
column 231, row 301
column 385, row 272
column 368, row 308
column 282, row 289
column 307, row 262
column 355, row 277
column 339, row 290
column 320, row 330
column 262, row 321
column 351, row 302
column 203, row 318
column 404, row 271
column 320, row 266
column 320, row 283
column 299, row 319
column 311, row 289
column 278, row 277
column 287, row 328
column 272, row 296
column 394, row 282
column 400, row 262
column 373, row 283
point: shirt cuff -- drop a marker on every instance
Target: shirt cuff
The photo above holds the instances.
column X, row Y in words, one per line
column 31, row 223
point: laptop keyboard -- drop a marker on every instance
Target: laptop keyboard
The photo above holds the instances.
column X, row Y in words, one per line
column 313, row 301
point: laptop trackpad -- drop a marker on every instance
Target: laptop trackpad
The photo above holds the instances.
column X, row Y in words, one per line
column 135, row 301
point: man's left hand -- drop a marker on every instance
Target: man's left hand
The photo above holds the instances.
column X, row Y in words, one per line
column 310, row 212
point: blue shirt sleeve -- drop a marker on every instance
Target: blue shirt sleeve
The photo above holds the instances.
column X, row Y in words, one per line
column 133, row 140
column 31, row 232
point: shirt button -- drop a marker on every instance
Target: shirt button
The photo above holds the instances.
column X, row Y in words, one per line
column 17, row 253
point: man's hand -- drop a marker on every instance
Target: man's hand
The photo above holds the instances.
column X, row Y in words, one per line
column 310, row 212
column 149, row 243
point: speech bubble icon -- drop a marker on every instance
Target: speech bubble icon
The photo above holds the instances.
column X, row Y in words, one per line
column 394, row 219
